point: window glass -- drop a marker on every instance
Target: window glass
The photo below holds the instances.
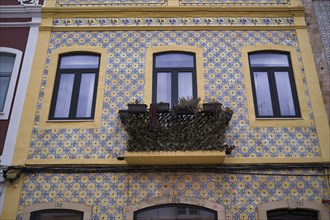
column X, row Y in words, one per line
column 185, row 81
column 273, row 85
column 174, row 60
column 174, row 77
column 164, row 87
column 264, row 100
column 86, row 94
column 74, row 92
column 270, row 59
column 284, row 91
column 79, row 61
column 6, row 67
column 64, row 96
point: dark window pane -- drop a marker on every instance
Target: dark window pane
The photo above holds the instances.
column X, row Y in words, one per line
column 284, row 91
column 185, row 82
column 270, row 60
column 264, row 100
column 62, row 107
column 57, row 215
column 6, row 63
column 164, row 87
column 176, row 212
column 6, row 67
column 79, row 61
column 86, row 94
column 174, row 60
column 4, row 84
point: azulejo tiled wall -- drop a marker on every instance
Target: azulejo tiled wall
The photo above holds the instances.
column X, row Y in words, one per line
column 124, row 82
column 109, row 193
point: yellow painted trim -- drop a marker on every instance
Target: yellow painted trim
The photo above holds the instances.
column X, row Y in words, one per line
column 279, row 160
column 254, row 122
column 320, row 115
column 96, row 123
column 149, row 68
column 171, row 11
column 54, row 162
column 177, row 157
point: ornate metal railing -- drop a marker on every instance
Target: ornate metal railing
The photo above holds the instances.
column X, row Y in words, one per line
column 172, row 131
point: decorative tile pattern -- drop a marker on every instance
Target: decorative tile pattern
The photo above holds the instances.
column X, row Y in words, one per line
column 111, row 2
column 233, row 2
column 169, row 22
column 110, row 193
column 124, row 82
column 322, row 11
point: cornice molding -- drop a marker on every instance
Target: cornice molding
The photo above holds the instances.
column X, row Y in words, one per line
column 20, row 11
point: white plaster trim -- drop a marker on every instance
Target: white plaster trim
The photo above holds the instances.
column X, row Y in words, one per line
column 20, row 11
column 178, row 200
column 19, row 24
column 87, row 210
column 4, row 115
column 321, row 209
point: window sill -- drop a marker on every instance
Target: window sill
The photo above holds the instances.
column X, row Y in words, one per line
column 70, row 124
column 280, row 122
column 70, row 120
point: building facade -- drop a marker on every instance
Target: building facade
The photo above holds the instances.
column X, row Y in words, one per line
column 80, row 152
column 18, row 36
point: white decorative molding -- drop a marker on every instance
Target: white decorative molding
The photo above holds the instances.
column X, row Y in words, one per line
column 29, row 2
column 20, row 11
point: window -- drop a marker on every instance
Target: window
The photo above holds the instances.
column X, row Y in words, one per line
column 75, row 88
column 54, row 214
column 175, row 211
column 9, row 66
column 273, row 85
column 174, row 76
column 295, row 214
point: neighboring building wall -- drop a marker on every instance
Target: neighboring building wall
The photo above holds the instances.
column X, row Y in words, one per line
column 18, row 35
column 318, row 19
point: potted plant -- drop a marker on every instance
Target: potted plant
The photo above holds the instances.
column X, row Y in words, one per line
column 161, row 107
column 187, row 106
column 229, row 149
column 228, row 115
column 212, row 106
column 136, row 107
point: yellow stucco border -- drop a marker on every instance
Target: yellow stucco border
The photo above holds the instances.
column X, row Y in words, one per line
column 96, row 123
column 87, row 210
column 275, row 122
column 149, row 66
column 320, row 115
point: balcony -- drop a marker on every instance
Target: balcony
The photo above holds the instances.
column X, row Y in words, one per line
column 160, row 135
